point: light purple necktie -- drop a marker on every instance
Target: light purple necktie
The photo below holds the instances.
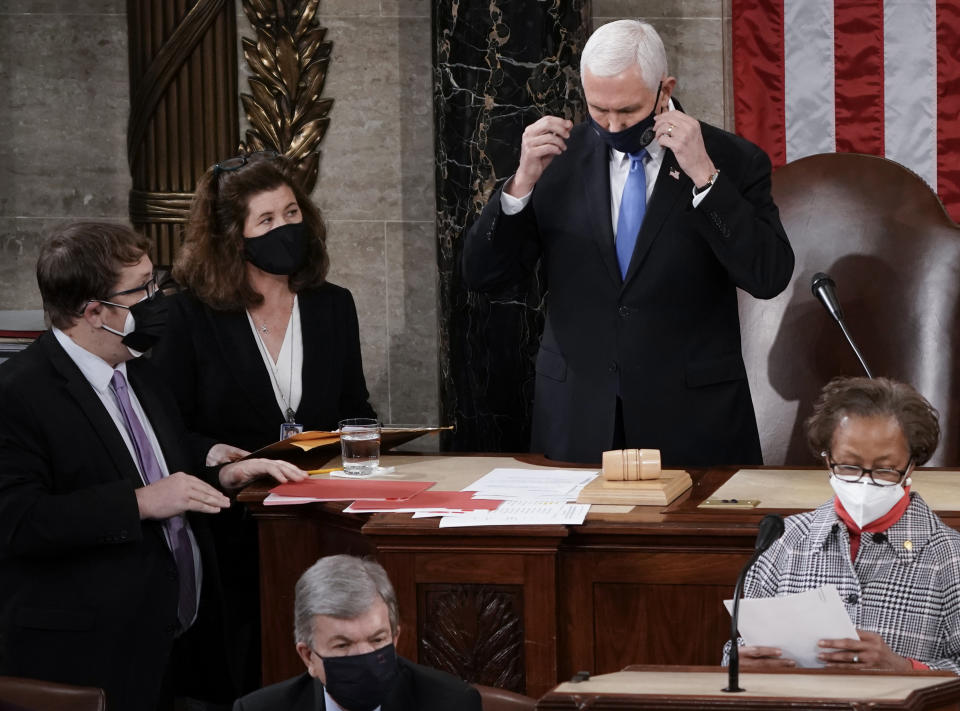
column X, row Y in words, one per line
column 176, row 526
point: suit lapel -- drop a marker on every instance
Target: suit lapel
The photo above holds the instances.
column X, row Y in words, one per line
column 596, row 171
column 667, row 192
column 242, row 356
column 163, row 428
column 79, row 388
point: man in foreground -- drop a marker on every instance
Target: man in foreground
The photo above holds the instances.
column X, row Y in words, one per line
column 346, row 626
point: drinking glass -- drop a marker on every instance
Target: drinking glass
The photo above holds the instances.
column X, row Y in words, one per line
column 360, row 446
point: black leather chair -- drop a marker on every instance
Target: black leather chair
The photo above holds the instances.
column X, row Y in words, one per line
column 35, row 695
column 894, row 253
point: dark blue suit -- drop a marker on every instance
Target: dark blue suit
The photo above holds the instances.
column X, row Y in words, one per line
column 666, row 338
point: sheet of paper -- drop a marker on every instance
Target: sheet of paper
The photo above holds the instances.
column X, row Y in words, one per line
column 275, row 500
column 542, row 484
column 795, row 623
column 527, row 512
column 351, row 489
column 444, row 502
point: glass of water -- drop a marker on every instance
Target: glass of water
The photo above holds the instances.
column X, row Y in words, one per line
column 360, row 446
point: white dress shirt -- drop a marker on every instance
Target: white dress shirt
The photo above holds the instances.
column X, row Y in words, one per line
column 99, row 373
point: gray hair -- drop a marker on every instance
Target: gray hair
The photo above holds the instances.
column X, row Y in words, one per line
column 341, row 586
column 615, row 47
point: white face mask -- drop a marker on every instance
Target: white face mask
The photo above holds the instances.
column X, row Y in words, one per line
column 866, row 502
column 128, row 326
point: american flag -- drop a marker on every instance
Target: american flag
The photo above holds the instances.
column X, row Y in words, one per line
column 862, row 76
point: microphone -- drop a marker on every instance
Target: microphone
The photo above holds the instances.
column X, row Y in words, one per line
column 771, row 528
column 825, row 290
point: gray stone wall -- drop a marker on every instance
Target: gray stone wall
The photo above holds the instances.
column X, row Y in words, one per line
column 63, row 76
column 63, row 120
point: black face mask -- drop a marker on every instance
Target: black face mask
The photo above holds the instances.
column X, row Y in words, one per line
column 149, row 323
column 361, row 682
column 282, row 250
column 632, row 139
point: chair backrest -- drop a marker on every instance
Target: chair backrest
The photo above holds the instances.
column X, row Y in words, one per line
column 35, row 695
column 881, row 233
column 496, row 699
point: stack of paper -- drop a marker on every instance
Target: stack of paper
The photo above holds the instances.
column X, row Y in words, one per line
column 532, row 497
column 434, row 503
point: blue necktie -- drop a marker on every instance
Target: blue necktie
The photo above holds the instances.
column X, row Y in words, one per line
column 633, row 205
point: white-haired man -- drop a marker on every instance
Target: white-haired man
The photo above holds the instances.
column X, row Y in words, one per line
column 346, row 625
column 645, row 221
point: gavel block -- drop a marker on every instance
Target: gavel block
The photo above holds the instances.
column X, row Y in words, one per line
column 634, row 476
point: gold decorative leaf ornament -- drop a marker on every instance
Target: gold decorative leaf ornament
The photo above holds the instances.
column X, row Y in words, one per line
column 289, row 61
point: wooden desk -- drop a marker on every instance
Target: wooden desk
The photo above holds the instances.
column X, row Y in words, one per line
column 695, row 688
column 526, row 607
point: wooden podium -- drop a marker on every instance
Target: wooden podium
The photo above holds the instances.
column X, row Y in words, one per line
column 524, row 607
column 695, row 688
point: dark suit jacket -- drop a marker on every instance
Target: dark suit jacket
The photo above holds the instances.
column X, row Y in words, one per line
column 667, row 337
column 88, row 591
column 418, row 688
column 211, row 362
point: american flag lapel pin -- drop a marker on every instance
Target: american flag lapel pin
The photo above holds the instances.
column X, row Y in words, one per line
column 675, row 174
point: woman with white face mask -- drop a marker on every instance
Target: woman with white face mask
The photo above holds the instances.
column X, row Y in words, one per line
column 895, row 564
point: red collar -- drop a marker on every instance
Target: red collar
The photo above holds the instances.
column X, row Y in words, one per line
column 881, row 524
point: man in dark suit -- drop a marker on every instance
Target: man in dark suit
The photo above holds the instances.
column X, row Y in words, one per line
column 646, row 221
column 101, row 553
column 346, row 625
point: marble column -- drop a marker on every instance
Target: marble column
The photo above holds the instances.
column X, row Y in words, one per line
column 499, row 65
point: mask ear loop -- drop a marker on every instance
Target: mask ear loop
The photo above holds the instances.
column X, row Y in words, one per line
column 647, row 136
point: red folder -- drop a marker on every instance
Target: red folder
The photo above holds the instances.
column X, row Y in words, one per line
column 352, row 489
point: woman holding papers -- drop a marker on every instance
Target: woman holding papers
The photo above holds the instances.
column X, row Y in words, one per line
column 259, row 345
column 895, row 564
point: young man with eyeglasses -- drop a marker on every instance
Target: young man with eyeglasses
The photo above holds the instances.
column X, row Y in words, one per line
column 103, row 555
column 895, row 564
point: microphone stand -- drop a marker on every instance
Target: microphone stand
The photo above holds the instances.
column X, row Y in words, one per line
column 771, row 528
column 733, row 669
column 863, row 363
column 823, row 288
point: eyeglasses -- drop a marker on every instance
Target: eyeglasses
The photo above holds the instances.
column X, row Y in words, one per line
column 882, row 476
column 237, row 162
column 150, row 287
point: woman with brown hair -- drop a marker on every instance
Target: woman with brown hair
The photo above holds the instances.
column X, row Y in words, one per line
column 258, row 343
column 895, row 564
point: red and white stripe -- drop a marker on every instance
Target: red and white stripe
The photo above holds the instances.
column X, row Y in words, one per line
column 865, row 76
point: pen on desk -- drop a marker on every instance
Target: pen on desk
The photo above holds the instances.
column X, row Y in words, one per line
column 324, row 471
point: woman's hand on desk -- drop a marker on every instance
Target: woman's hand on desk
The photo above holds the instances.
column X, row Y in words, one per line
column 238, row 474
column 224, row 454
column 764, row 658
column 868, row 652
